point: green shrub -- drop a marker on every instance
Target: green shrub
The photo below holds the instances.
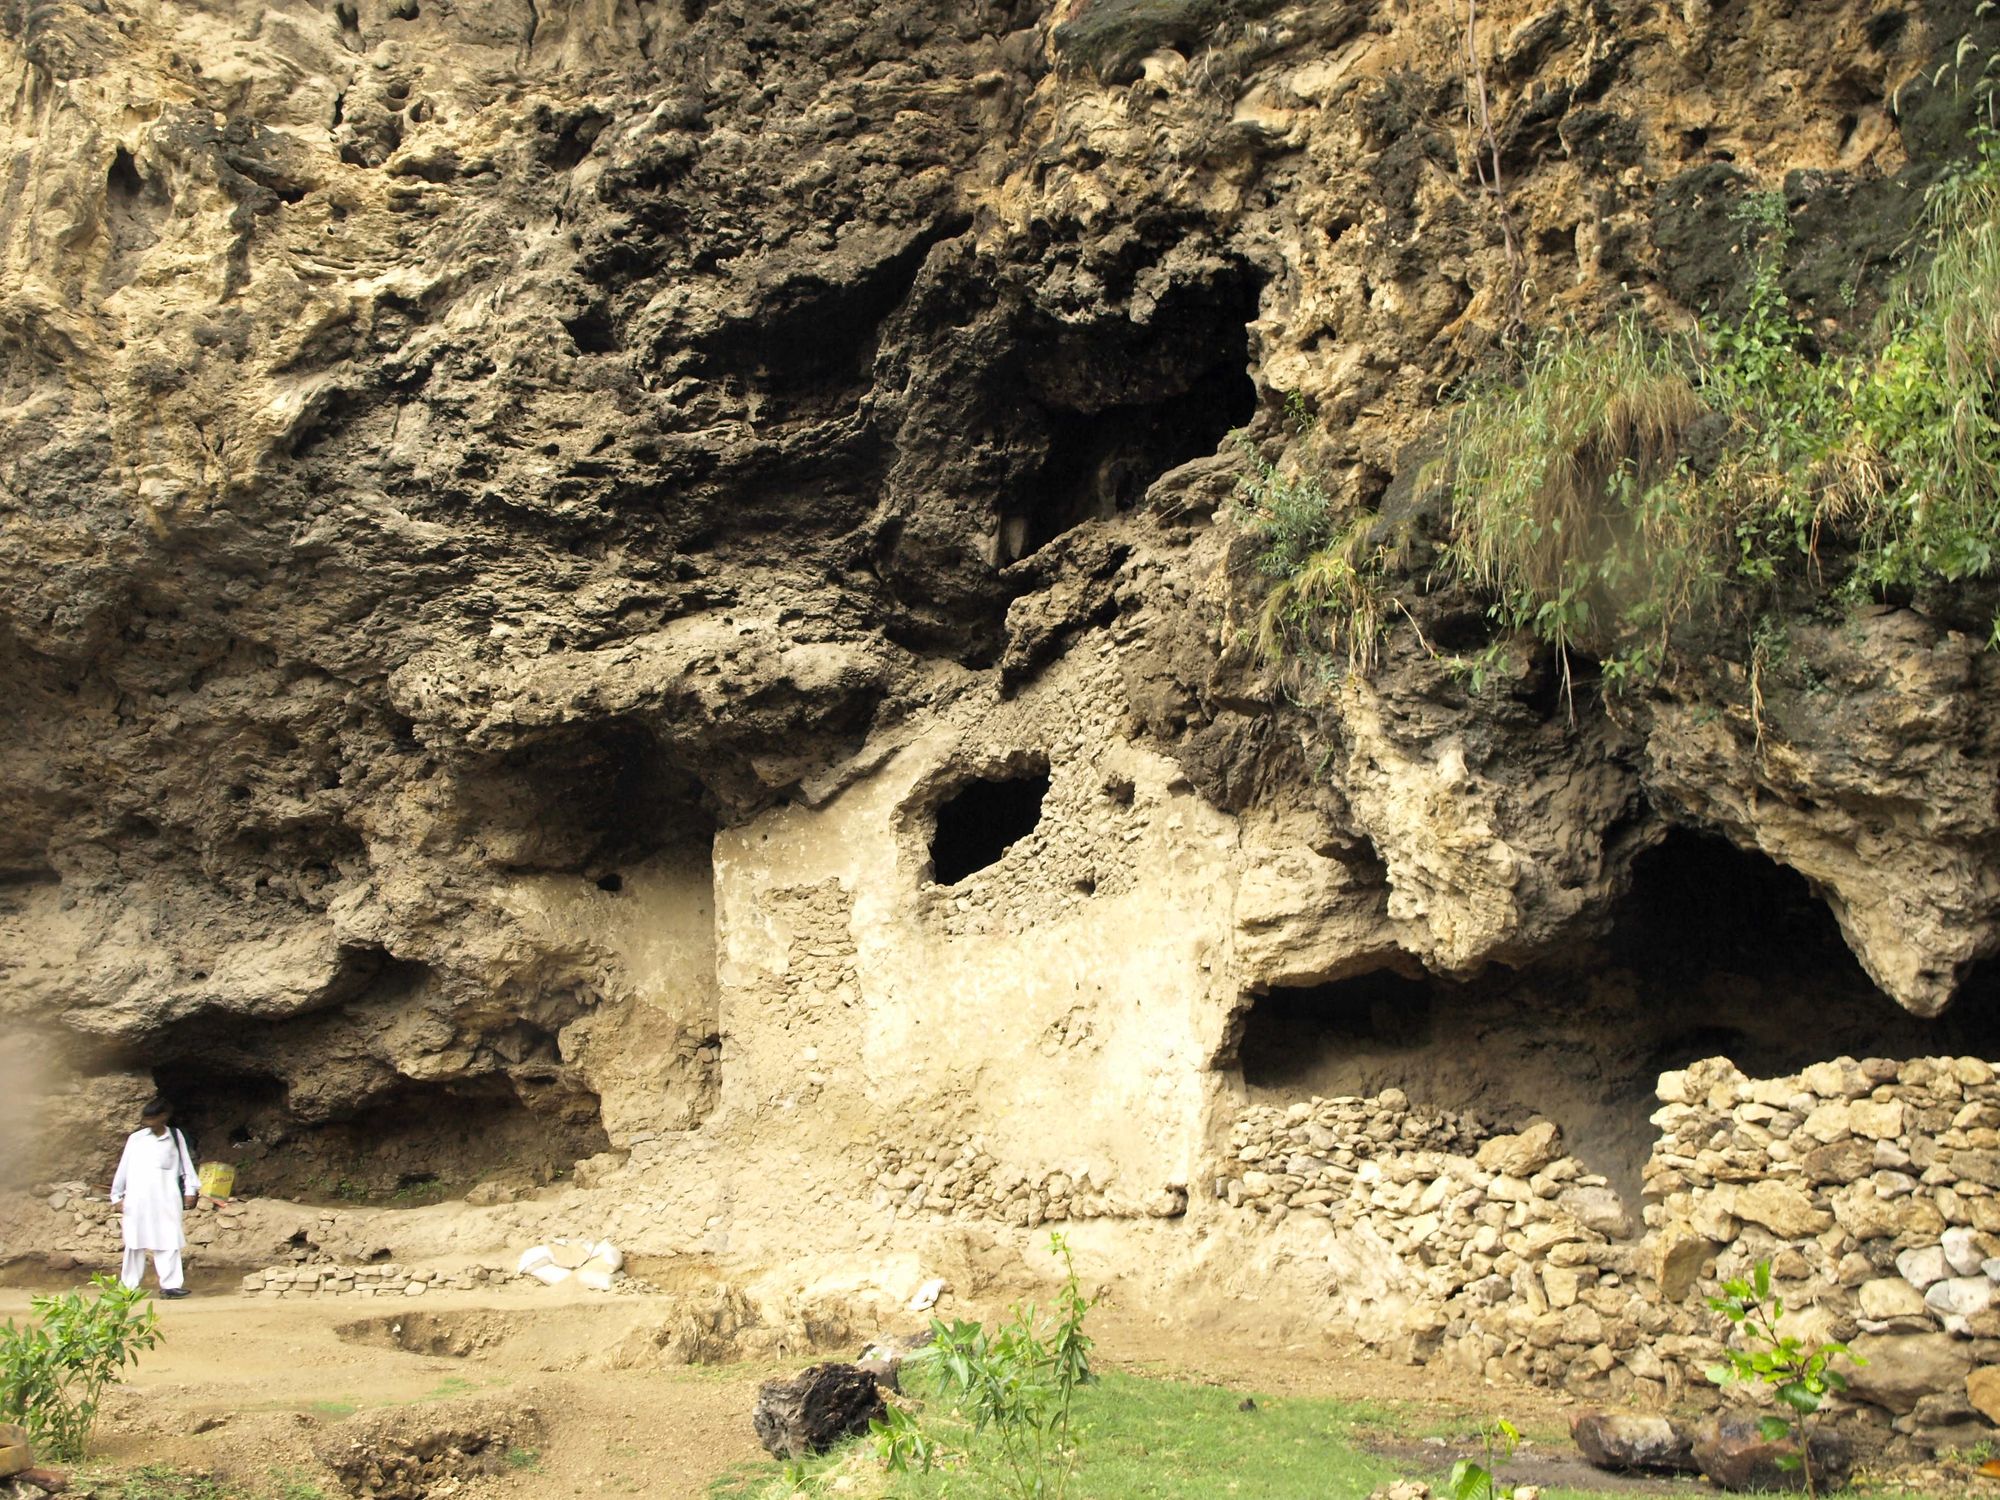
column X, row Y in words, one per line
column 1626, row 485
column 1330, row 571
column 1472, row 1480
column 53, row 1370
column 1796, row 1373
column 1017, row 1383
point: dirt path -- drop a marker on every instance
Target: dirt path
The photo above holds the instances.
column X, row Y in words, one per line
column 242, row 1386
column 245, row 1387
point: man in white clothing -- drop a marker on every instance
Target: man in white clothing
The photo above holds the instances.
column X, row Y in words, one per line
column 156, row 1178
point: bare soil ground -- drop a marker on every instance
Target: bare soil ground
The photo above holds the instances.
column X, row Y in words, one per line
column 247, row 1388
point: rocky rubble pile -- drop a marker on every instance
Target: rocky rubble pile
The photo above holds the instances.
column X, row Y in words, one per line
column 436, row 1449
column 1870, row 1186
column 1509, row 1245
column 960, row 1177
column 94, row 1220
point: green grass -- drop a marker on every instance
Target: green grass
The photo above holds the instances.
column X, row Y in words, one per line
column 154, row 1482
column 164, row 1482
column 1146, row 1439
column 1626, row 492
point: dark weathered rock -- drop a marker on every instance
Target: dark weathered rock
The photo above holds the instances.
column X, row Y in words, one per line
column 1615, row 1441
column 1732, row 1451
column 815, row 1409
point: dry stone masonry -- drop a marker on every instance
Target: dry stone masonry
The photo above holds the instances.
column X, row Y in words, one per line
column 383, row 1279
column 1869, row 1186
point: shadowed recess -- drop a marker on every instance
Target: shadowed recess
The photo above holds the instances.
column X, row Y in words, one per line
column 981, row 820
column 1713, row 952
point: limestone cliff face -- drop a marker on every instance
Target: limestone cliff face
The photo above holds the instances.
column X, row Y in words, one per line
column 480, row 476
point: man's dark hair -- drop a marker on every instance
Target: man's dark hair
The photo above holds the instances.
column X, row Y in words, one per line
column 156, row 1109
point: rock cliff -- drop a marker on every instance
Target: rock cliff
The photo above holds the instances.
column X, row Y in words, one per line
column 526, row 520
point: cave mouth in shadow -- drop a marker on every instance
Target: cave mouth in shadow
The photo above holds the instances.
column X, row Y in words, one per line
column 1122, row 403
column 415, row 1143
column 981, row 820
column 587, row 797
column 1714, row 951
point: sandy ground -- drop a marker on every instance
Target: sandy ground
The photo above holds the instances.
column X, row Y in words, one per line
column 244, row 1387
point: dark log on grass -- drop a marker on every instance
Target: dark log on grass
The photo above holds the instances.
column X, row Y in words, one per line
column 815, row 1409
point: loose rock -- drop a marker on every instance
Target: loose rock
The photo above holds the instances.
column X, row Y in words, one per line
column 815, row 1409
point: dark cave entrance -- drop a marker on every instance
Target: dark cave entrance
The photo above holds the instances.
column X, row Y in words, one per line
column 415, row 1143
column 586, row 798
column 1124, row 404
column 981, row 820
column 308, row 1106
column 1713, row 952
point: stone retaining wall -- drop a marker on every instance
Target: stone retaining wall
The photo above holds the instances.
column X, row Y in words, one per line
column 377, row 1280
column 960, row 1178
column 1872, row 1187
column 214, row 1224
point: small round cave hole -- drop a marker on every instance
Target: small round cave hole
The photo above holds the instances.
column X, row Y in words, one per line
column 982, row 820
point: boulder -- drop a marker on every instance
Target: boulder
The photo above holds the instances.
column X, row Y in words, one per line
column 1678, row 1256
column 1922, row 1267
column 815, row 1409
column 1960, row 1296
column 1787, row 1211
column 1611, row 1440
column 1963, row 1251
column 1982, row 1389
column 1524, row 1154
column 1599, row 1209
column 1903, row 1368
column 1890, row 1297
column 1734, row 1453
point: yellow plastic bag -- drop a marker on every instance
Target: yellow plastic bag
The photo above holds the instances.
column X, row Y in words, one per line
column 218, row 1179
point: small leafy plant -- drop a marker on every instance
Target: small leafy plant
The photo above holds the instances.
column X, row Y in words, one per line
column 53, row 1370
column 1471, row 1480
column 1798, row 1374
column 1018, row 1382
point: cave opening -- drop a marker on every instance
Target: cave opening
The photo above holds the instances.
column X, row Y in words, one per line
column 417, row 1142
column 1714, row 951
column 586, row 798
column 1121, row 406
column 981, row 820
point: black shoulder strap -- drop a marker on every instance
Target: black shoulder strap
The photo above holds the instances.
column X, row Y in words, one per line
column 180, row 1155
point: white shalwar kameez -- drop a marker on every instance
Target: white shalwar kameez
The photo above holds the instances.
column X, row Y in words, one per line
column 148, row 1183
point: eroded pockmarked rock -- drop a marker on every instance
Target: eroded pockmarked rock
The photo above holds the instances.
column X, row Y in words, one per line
column 1617, row 1440
column 815, row 1409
